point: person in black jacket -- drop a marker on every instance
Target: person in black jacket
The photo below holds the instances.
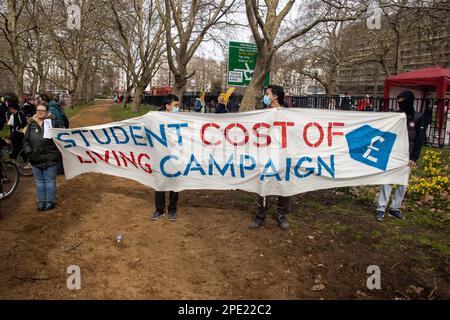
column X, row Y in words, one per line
column 220, row 107
column 17, row 121
column 3, row 120
column 171, row 103
column 28, row 107
column 416, row 137
column 44, row 157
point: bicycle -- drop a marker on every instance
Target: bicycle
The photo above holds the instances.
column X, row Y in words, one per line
column 22, row 165
column 9, row 177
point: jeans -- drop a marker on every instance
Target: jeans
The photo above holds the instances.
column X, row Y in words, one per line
column 160, row 201
column 46, row 182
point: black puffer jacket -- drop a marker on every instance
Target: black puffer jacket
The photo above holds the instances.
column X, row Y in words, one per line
column 415, row 125
column 41, row 152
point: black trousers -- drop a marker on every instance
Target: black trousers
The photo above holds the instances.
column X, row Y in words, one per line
column 160, row 201
column 263, row 208
column 16, row 143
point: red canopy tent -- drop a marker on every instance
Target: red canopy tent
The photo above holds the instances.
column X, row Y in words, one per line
column 423, row 80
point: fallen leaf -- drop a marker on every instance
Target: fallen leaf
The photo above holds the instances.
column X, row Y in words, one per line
column 416, row 290
column 318, row 287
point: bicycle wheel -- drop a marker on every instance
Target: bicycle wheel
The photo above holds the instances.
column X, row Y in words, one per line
column 9, row 178
column 23, row 166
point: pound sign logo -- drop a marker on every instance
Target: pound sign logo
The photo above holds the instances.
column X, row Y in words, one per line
column 371, row 146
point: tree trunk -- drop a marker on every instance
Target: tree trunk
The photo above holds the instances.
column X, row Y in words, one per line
column 41, row 87
column 180, row 86
column 332, row 79
column 69, row 101
column 137, row 98
column 255, row 88
column 34, row 85
column 19, row 86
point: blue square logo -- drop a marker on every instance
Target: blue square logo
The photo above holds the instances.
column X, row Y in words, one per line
column 371, row 146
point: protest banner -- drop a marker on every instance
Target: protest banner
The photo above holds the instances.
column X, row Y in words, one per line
column 269, row 152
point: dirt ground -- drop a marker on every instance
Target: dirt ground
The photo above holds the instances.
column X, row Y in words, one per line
column 208, row 253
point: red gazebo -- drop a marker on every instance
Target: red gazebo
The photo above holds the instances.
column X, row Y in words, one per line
column 422, row 80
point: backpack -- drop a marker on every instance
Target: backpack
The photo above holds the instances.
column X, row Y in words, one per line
column 198, row 105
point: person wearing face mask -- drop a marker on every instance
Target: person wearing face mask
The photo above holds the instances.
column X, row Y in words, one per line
column 273, row 98
column 416, row 137
column 44, row 157
column 170, row 104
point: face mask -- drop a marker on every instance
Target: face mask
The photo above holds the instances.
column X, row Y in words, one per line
column 403, row 105
column 175, row 109
column 266, row 100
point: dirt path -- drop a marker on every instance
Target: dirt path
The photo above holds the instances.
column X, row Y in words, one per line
column 209, row 253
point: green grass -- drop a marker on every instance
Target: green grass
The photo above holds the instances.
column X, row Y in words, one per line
column 118, row 113
column 436, row 245
column 5, row 132
column 70, row 112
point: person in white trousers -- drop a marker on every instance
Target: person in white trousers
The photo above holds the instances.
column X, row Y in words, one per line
column 416, row 135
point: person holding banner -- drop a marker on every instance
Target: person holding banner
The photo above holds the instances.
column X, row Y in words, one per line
column 171, row 104
column 44, row 156
column 273, row 98
column 416, row 137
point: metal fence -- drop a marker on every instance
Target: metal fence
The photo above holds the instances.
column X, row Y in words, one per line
column 436, row 122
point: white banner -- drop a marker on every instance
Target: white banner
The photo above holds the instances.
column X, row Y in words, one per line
column 270, row 152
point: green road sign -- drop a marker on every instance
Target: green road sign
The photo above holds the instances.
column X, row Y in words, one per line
column 241, row 63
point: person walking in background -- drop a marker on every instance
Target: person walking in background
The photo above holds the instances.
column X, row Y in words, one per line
column 416, row 135
column 273, row 98
column 363, row 104
column 44, row 157
column 170, row 104
column 200, row 105
column 29, row 107
column 17, row 122
column 346, row 102
column 55, row 110
column 220, row 107
column 3, row 113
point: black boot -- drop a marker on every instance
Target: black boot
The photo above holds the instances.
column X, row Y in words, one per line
column 50, row 206
column 41, row 206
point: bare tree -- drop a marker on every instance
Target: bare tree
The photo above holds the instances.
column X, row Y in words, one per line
column 76, row 50
column 138, row 42
column 266, row 22
column 15, row 29
column 186, row 24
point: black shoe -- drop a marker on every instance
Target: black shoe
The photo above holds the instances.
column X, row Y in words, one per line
column 257, row 223
column 172, row 216
column 396, row 214
column 379, row 215
column 41, row 206
column 283, row 222
column 157, row 215
column 50, row 206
